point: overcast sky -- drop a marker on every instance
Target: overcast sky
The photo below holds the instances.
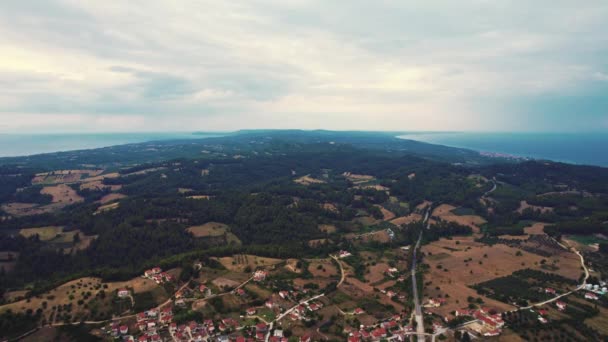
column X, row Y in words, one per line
column 482, row 65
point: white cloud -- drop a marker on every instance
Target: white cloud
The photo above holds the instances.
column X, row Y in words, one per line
column 265, row 63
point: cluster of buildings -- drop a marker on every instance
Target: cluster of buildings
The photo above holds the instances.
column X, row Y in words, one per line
column 158, row 275
column 599, row 289
column 393, row 326
column 260, row 275
column 491, row 324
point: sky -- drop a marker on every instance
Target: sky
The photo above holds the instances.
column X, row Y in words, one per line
column 183, row 65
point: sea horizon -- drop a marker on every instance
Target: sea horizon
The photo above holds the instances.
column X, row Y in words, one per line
column 570, row 147
column 573, row 148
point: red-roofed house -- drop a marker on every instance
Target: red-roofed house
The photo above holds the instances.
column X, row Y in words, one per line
column 591, row 295
column 205, row 291
column 550, row 291
column 561, row 306
column 251, row 311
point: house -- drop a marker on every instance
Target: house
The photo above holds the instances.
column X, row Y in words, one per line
column 283, row 294
column 305, row 338
column 591, row 295
column 463, row 312
column 180, row 302
column 240, row 292
column 278, row 333
column 390, row 294
column 389, row 325
column 550, row 291
column 542, row 319
column 204, row 290
column 379, row 333
column 358, row 311
column 344, row 254
column 543, row 312
column 269, row 304
column 259, row 275
column 260, row 336
column 392, row 271
column 436, row 302
column 354, row 339
column 151, row 272
column 122, row 293
column 124, row 329
column 251, row 311
column 561, row 306
column 314, row 307
column 173, row 327
column 261, row 327
column 143, row 338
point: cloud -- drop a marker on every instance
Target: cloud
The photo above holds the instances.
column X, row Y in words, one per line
column 195, row 65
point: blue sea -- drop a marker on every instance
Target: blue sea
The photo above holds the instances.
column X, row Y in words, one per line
column 575, row 148
column 12, row 145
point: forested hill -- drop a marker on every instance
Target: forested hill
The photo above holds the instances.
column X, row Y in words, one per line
column 244, row 143
column 115, row 211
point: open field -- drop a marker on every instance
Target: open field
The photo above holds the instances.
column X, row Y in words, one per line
column 376, row 272
column 63, row 176
column 239, row 262
column 406, row 219
column 44, row 233
column 449, row 271
column 73, row 291
column 98, row 186
column 523, row 205
column 111, row 197
column 25, row 209
column 106, row 207
column 387, row 215
column 445, row 213
column 307, row 180
column 208, row 229
column 62, row 193
column 200, row 197
column 327, row 228
column 323, row 268
column 358, row 179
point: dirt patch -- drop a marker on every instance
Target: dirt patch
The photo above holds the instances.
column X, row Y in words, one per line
column 358, row 179
column 378, row 236
column 327, row 228
column 44, row 233
column 387, row 215
column 445, row 213
column 208, row 229
column 330, row 207
column 224, row 283
column 407, row 219
column 239, row 262
column 307, row 180
column 111, row 197
column 62, row 193
column 323, row 268
column 99, row 186
column 376, row 272
column 200, row 197
column 63, row 176
column 523, row 205
column 107, row 207
column 292, row 265
column 423, row 205
column 535, row 229
column 25, row 209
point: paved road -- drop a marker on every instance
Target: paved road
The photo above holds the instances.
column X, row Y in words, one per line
column 491, row 190
column 418, row 311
